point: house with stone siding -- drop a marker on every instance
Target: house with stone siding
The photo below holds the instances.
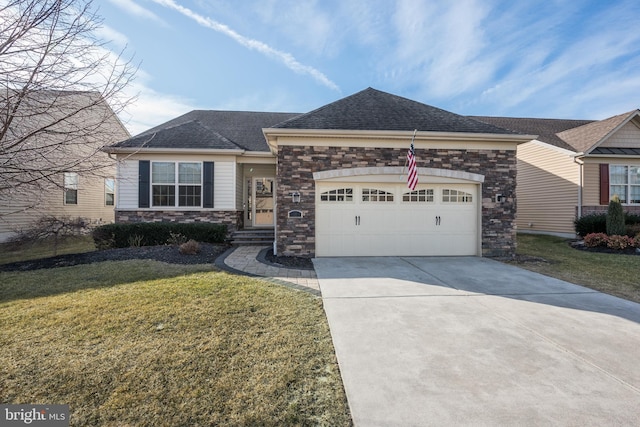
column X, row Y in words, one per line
column 333, row 181
column 573, row 168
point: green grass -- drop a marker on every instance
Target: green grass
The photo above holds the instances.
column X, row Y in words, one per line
column 615, row 274
column 45, row 248
column 147, row 343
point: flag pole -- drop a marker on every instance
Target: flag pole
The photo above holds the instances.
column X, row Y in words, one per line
column 405, row 157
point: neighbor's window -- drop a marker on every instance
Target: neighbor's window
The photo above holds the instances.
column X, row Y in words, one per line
column 183, row 179
column 109, row 191
column 70, row 188
column 624, row 181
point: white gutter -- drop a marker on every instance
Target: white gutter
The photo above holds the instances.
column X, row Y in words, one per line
column 580, row 164
column 139, row 150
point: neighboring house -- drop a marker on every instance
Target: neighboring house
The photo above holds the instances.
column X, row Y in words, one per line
column 573, row 168
column 331, row 182
column 64, row 128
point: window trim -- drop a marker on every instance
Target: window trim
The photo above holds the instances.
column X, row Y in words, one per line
column 338, row 195
column 69, row 187
column 628, row 185
column 177, row 186
column 112, row 192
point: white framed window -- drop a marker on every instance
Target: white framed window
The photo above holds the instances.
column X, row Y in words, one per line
column 337, row 195
column 176, row 184
column 420, row 196
column 624, row 181
column 70, row 188
column 109, row 191
column 374, row 195
column 456, row 196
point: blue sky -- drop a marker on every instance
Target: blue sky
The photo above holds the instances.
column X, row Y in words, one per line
column 555, row 59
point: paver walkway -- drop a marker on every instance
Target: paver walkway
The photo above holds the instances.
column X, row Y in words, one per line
column 245, row 259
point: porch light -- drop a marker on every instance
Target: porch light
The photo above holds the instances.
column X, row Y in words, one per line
column 295, row 197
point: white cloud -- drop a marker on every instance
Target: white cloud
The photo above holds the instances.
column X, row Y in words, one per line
column 107, row 33
column 135, row 9
column 286, row 58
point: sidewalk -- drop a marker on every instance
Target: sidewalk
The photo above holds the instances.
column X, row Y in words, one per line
column 244, row 259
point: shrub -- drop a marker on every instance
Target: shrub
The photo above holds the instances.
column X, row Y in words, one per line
column 190, row 247
column 618, row 242
column 176, row 239
column 632, row 230
column 636, row 241
column 156, row 233
column 594, row 240
column 593, row 223
column 615, row 217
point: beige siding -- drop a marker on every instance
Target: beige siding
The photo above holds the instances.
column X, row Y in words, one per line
column 591, row 195
column 626, row 137
column 547, row 188
column 25, row 208
column 591, row 189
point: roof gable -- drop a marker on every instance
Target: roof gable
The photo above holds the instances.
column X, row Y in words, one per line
column 375, row 110
column 585, row 138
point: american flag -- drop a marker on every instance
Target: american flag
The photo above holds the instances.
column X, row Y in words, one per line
column 412, row 177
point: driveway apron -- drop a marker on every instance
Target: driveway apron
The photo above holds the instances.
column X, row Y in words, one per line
column 472, row 341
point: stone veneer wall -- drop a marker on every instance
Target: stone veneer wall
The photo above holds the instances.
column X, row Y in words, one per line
column 233, row 219
column 296, row 165
column 602, row 209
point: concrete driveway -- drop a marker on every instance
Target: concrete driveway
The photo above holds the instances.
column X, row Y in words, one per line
column 471, row 341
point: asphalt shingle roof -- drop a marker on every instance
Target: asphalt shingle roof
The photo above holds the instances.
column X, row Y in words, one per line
column 546, row 129
column 585, row 137
column 210, row 129
column 372, row 109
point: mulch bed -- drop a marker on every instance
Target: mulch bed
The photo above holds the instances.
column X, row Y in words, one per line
column 169, row 254
column 289, row 261
column 601, row 249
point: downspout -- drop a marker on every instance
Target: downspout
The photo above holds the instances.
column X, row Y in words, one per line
column 580, row 163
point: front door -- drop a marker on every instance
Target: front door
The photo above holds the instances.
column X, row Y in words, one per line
column 263, row 202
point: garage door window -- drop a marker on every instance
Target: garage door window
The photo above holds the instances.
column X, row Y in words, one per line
column 338, row 195
column 423, row 196
column 456, row 196
column 373, row 195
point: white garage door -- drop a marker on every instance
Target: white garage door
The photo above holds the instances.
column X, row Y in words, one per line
column 381, row 219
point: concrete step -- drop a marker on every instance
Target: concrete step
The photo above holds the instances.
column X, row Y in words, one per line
column 252, row 237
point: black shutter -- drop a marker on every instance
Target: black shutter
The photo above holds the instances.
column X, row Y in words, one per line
column 207, row 185
column 144, row 178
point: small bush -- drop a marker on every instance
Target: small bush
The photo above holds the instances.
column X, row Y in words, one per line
column 615, row 217
column 135, row 241
column 593, row 223
column 636, row 241
column 632, row 230
column 593, row 240
column 156, row 233
column 190, row 247
column 618, row 242
column 176, row 239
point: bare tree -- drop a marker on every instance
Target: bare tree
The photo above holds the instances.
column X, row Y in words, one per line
column 60, row 91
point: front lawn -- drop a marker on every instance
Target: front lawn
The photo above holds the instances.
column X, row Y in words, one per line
column 615, row 274
column 142, row 342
